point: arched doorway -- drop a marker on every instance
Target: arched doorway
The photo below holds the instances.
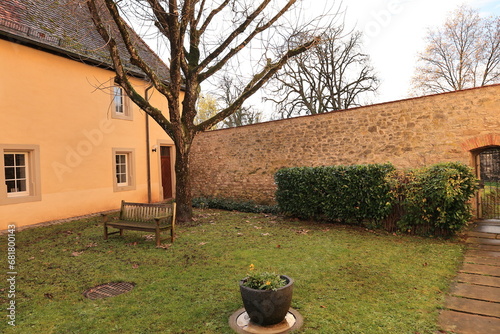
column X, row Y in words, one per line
column 489, row 175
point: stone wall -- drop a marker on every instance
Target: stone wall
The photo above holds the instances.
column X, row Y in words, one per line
column 240, row 162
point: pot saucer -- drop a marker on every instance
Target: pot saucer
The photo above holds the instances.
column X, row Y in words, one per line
column 240, row 322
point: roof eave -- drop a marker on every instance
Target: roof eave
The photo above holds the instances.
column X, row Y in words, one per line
column 62, row 52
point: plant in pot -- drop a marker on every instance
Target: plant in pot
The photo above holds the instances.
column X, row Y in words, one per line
column 266, row 296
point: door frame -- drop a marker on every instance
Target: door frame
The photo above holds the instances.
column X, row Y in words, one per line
column 172, row 168
column 480, row 193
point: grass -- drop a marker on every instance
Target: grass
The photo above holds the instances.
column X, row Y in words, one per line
column 347, row 279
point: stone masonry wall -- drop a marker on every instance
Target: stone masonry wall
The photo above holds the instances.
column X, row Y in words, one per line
column 240, row 162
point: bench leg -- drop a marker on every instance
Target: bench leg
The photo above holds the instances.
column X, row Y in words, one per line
column 105, row 232
column 121, row 232
column 158, row 240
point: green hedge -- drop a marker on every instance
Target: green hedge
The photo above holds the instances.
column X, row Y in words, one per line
column 344, row 193
column 435, row 199
column 430, row 200
column 232, row 205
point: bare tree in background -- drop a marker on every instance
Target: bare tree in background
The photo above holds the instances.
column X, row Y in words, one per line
column 202, row 37
column 207, row 108
column 330, row 76
column 229, row 89
column 464, row 53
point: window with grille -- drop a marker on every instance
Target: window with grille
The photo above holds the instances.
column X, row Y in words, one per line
column 121, row 106
column 16, row 173
column 19, row 173
column 123, row 169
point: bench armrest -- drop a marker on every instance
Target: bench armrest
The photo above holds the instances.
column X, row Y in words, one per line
column 157, row 219
column 104, row 216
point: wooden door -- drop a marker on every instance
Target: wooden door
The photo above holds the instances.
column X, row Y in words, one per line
column 166, row 172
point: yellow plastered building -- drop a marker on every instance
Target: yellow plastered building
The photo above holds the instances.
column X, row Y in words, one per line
column 71, row 142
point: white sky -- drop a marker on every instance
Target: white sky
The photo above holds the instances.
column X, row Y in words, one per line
column 394, row 33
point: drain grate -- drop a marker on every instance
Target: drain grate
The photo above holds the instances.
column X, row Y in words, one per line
column 108, row 290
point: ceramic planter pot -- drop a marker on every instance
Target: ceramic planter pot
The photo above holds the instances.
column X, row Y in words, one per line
column 267, row 307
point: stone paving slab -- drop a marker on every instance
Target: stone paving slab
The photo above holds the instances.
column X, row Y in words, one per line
column 482, row 269
column 482, row 235
column 487, row 228
column 489, row 222
column 489, row 248
column 492, row 261
column 463, row 323
column 473, row 306
column 482, row 253
column 484, row 241
column 485, row 293
column 479, row 279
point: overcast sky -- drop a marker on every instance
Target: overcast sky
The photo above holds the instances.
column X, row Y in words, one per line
column 394, row 33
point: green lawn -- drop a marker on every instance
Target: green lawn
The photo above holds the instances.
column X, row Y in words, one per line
column 347, row 279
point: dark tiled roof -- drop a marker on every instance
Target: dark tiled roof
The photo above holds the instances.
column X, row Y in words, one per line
column 64, row 27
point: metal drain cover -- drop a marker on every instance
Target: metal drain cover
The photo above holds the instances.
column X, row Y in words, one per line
column 108, row 290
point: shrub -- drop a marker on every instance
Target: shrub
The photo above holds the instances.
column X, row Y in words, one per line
column 232, row 205
column 435, row 199
column 345, row 193
column 430, row 200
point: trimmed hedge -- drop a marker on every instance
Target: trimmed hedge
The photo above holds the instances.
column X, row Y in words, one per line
column 342, row 193
column 430, row 200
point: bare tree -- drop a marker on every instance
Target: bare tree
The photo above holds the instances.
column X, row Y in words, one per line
column 202, row 37
column 332, row 75
column 229, row 89
column 463, row 53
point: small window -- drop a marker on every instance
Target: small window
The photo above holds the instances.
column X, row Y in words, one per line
column 19, row 174
column 16, row 173
column 121, row 104
column 123, row 169
column 118, row 100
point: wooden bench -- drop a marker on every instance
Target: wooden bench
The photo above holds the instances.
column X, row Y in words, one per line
column 143, row 217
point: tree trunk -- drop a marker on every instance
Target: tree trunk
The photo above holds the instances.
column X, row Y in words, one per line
column 183, row 183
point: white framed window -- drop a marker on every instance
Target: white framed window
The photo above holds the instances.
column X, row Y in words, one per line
column 118, row 100
column 20, row 173
column 121, row 105
column 123, row 169
column 122, row 173
column 16, row 173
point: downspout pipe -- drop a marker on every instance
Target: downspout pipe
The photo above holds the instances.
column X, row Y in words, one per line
column 148, row 147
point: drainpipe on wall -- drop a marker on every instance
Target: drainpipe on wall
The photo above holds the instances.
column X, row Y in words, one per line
column 148, row 154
